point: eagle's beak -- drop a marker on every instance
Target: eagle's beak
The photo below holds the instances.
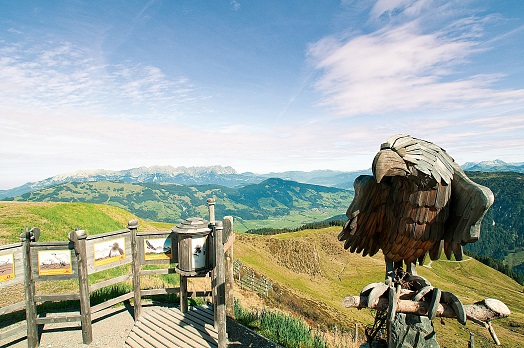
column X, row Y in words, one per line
column 388, row 163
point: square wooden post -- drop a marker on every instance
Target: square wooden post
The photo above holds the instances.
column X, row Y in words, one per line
column 135, row 262
column 229, row 239
column 220, row 283
column 78, row 238
column 30, row 308
column 183, row 294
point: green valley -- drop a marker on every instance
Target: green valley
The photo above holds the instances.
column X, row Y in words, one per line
column 272, row 203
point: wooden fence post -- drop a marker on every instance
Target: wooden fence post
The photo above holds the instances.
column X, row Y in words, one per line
column 135, row 261
column 220, row 317
column 183, row 294
column 78, row 237
column 228, row 259
column 30, row 308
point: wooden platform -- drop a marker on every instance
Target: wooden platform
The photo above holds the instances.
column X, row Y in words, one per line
column 169, row 327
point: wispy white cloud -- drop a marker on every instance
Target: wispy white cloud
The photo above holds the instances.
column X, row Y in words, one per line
column 401, row 65
column 62, row 76
column 14, row 31
column 235, row 4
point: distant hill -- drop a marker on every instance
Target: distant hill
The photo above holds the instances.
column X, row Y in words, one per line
column 321, row 177
column 211, row 175
column 272, row 198
column 56, row 220
column 502, row 230
column 494, row 166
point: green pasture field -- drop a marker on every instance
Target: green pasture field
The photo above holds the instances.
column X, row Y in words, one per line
column 293, row 220
column 313, row 273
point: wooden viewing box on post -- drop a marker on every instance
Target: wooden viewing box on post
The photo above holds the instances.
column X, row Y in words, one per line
column 201, row 250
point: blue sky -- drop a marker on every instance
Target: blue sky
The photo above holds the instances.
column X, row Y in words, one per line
column 258, row 85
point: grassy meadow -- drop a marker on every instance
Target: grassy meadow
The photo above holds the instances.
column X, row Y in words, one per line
column 56, row 220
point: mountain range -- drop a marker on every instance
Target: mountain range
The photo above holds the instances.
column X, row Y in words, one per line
column 214, row 175
column 226, row 176
column 494, row 166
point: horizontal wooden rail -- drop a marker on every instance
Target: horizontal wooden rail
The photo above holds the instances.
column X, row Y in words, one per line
column 164, row 291
column 49, row 244
column 12, row 308
column 111, row 302
column 153, row 233
column 157, row 271
column 64, row 318
column 109, row 282
column 107, row 234
column 20, row 328
column 57, row 297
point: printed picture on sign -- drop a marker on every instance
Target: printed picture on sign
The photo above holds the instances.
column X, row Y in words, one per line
column 7, row 267
column 109, row 251
column 199, row 252
column 157, row 248
column 54, row 262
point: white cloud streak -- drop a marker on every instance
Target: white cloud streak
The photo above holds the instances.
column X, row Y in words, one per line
column 63, row 77
column 403, row 66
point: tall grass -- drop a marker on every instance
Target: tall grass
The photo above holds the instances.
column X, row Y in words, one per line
column 281, row 328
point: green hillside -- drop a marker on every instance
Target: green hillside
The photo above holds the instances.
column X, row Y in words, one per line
column 502, row 231
column 56, row 220
column 277, row 202
column 313, row 273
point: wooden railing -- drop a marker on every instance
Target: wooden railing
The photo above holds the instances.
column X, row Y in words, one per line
column 30, row 261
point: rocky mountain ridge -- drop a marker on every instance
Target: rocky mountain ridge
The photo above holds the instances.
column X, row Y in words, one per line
column 225, row 176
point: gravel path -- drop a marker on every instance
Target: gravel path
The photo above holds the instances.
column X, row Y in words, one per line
column 111, row 330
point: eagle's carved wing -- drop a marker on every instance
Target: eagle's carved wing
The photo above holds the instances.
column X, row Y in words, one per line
column 469, row 202
column 366, row 217
column 399, row 217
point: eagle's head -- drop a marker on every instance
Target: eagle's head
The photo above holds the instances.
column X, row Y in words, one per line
column 403, row 155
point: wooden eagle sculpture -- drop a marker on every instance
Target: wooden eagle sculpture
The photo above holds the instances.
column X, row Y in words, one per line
column 418, row 202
